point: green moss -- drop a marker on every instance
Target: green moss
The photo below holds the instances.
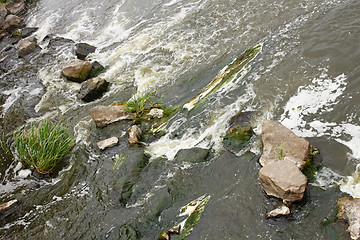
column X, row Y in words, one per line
column 238, row 136
column 16, row 33
column 311, row 168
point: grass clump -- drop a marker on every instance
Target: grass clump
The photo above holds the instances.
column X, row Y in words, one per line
column 120, row 159
column 44, row 147
column 140, row 102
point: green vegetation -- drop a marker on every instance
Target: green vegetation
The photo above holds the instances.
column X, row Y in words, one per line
column 16, row 33
column 280, row 153
column 4, row 1
column 140, row 102
column 44, row 147
column 120, row 159
column 5, row 146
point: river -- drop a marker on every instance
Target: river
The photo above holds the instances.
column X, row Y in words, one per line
column 307, row 76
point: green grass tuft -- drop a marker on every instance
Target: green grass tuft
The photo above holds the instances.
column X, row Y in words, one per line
column 140, row 102
column 43, row 147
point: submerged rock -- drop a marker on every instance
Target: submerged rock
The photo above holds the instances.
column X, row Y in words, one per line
column 283, row 179
column 27, row 31
column 8, row 208
column 96, row 69
column 77, row 71
column 26, row 47
column 83, row 49
column 282, row 210
column 349, row 211
column 192, row 155
column 107, row 143
column 237, row 137
column 277, row 139
column 104, row 115
column 92, row 89
column 134, row 134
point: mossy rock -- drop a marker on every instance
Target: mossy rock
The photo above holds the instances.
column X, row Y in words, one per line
column 237, row 137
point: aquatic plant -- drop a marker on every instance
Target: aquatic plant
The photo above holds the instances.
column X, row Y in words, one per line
column 43, row 147
column 140, row 102
column 5, row 145
column 120, row 159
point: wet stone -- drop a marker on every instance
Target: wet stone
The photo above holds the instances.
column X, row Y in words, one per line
column 276, row 138
column 27, row 47
column 92, row 89
column 104, row 115
column 282, row 210
column 107, row 143
column 27, row 31
column 237, row 137
column 134, row 134
column 96, row 69
column 349, row 211
column 83, row 49
column 8, row 208
column 77, row 71
column 283, row 179
column 12, row 22
column 193, row 155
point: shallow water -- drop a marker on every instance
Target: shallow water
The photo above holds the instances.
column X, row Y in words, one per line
column 307, row 76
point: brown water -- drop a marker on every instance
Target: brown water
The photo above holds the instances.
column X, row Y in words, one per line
column 307, row 76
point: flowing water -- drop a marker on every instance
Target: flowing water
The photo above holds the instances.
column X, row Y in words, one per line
column 307, row 76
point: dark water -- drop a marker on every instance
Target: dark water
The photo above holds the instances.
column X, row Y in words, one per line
column 307, row 76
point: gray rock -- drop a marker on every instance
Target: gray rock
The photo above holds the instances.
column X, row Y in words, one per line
column 26, row 47
column 134, row 134
column 77, row 71
column 349, row 211
column 276, row 136
column 104, row 115
column 192, row 155
column 107, row 143
column 27, row 31
column 156, row 113
column 92, row 89
column 282, row 210
column 3, row 12
column 8, row 208
column 15, row 6
column 83, row 49
column 283, row 179
column 12, row 22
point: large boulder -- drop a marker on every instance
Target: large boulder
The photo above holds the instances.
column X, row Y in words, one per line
column 83, row 49
column 283, row 179
column 77, row 71
column 104, row 115
column 3, row 12
column 92, row 89
column 349, row 211
column 276, row 139
column 15, row 6
column 26, row 47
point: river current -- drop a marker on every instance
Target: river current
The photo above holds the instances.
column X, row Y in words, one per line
column 307, row 76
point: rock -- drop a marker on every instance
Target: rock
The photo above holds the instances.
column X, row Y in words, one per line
column 275, row 137
column 349, row 211
column 92, row 89
column 83, row 49
column 77, row 71
column 3, row 12
column 282, row 210
column 26, row 47
column 96, row 69
column 24, row 173
column 242, row 119
column 283, row 179
column 156, row 113
column 134, row 134
column 12, row 22
column 237, row 137
column 104, row 115
column 107, row 143
column 8, row 208
column 27, row 31
column 15, row 6
column 192, row 155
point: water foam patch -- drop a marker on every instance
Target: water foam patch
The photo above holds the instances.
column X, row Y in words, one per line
column 351, row 184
